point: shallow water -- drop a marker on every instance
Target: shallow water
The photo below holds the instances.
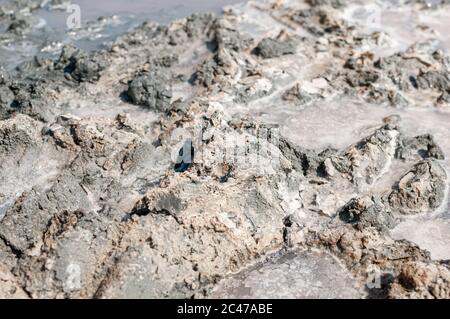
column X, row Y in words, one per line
column 124, row 15
column 154, row 10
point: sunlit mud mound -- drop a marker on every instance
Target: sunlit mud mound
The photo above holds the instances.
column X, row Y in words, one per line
column 245, row 155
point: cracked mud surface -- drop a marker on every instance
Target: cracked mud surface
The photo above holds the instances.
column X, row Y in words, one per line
column 320, row 145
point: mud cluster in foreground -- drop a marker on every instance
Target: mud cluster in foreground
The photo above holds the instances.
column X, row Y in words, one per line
column 92, row 204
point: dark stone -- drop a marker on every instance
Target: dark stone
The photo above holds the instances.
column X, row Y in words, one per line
column 81, row 66
column 419, row 147
column 152, row 90
column 271, row 48
column 367, row 212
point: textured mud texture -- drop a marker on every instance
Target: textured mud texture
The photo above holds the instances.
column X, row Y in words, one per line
column 273, row 48
column 119, row 180
column 152, row 90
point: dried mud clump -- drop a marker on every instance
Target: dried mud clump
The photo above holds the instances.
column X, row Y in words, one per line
column 270, row 48
column 368, row 212
column 420, row 190
column 419, row 147
column 422, row 280
column 152, row 90
column 81, row 66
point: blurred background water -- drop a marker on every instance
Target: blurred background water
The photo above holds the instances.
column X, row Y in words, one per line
column 101, row 22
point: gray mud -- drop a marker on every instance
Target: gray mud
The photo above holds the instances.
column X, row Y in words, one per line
column 297, row 274
column 247, row 154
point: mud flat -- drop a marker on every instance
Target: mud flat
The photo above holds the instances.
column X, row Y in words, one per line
column 249, row 154
column 296, row 274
